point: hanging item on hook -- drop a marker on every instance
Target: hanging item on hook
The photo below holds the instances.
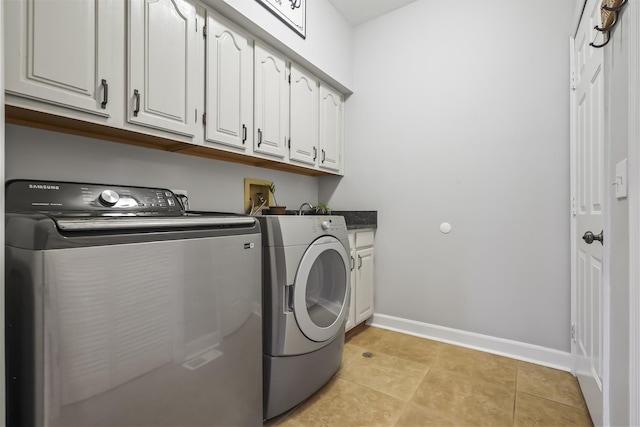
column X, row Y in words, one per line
column 609, row 17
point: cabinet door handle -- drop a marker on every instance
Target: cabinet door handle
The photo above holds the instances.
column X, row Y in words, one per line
column 136, row 95
column 359, row 262
column 353, row 263
column 105, row 94
column 324, row 155
column 244, row 134
column 315, row 156
column 259, row 137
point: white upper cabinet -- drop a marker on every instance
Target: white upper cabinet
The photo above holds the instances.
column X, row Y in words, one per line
column 303, row 146
column 331, row 118
column 271, row 102
column 229, row 84
column 59, row 52
column 162, row 65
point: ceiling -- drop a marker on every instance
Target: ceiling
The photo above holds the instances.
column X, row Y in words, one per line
column 358, row 11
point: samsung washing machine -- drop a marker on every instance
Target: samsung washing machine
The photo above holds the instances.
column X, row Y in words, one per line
column 306, row 295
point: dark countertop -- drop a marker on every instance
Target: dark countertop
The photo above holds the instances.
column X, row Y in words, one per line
column 359, row 219
column 356, row 220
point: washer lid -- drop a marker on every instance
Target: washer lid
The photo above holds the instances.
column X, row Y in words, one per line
column 322, row 289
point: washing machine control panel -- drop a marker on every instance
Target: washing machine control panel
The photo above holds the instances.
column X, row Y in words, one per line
column 72, row 198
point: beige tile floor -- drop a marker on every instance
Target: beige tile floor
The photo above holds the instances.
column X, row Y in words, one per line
column 412, row 381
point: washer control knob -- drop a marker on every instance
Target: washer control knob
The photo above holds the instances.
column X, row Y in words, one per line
column 325, row 225
column 109, row 197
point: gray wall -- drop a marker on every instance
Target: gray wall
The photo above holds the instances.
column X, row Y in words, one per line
column 461, row 114
column 211, row 184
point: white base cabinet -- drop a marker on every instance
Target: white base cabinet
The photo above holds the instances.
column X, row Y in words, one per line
column 362, row 280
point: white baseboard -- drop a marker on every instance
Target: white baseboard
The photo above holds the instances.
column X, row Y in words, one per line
column 516, row 350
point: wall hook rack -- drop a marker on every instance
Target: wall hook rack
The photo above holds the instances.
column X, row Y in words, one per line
column 609, row 16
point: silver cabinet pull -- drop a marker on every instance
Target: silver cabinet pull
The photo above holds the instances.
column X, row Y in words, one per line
column 324, row 156
column 259, row 137
column 244, row 134
column 589, row 237
column 315, row 156
column 136, row 95
column 359, row 262
column 353, row 263
column 105, row 94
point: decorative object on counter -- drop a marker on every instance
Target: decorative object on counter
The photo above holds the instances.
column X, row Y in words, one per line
column 275, row 210
column 291, row 12
column 322, row 209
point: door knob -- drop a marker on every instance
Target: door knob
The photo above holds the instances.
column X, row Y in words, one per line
column 589, row 237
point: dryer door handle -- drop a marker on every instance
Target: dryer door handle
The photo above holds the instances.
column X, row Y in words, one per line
column 288, row 298
column 359, row 262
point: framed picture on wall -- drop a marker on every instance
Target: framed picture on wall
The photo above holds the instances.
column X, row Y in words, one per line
column 291, row 12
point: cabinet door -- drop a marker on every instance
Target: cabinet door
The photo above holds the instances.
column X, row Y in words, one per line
column 351, row 319
column 364, row 281
column 271, row 108
column 330, row 129
column 303, row 117
column 229, row 83
column 162, row 65
column 59, row 52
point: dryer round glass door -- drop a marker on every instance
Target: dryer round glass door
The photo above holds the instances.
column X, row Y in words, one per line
column 321, row 289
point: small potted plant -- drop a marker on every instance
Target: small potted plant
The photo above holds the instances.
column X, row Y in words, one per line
column 322, row 209
column 277, row 209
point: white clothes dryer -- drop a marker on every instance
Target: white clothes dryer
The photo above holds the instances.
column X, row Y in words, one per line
column 306, row 291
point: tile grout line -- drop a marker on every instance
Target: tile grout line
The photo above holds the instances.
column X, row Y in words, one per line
column 581, row 409
column 515, row 395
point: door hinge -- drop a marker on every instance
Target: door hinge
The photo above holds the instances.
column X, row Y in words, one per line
column 289, row 78
column 573, row 207
column 289, row 143
column 573, row 333
column 204, row 31
column 204, row 118
column 573, row 80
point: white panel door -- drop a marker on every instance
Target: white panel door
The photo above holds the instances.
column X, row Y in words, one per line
column 330, row 129
column 60, row 52
column 303, row 117
column 271, row 102
column 229, row 82
column 162, row 65
column 590, row 204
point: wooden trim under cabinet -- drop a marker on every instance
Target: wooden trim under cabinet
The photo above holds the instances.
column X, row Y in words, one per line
column 36, row 119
